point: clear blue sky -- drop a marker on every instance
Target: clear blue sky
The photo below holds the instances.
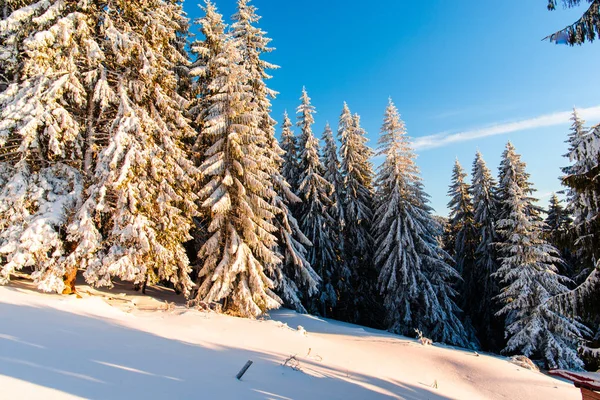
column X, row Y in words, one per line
column 450, row 67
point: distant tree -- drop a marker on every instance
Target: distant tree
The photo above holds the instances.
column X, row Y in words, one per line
column 583, row 188
column 333, row 174
column 582, row 179
column 415, row 273
column 530, row 278
column 488, row 326
column 461, row 226
column 357, row 204
column 340, row 274
column 558, row 231
column 316, row 220
column 289, row 144
column 296, row 282
column 584, row 29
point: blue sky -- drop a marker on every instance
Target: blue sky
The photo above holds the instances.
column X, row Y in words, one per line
column 467, row 67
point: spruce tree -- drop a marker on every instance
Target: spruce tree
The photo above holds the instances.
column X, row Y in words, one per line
column 296, row 282
column 52, row 73
column 582, row 179
column 316, row 220
column 204, row 71
column 333, row 175
column 557, row 232
column 461, row 224
column 252, row 43
column 583, row 193
column 237, row 190
column 140, row 203
column 415, row 275
column 297, row 275
column 488, row 326
column 529, row 277
column 357, row 205
column 289, row 144
column 338, row 275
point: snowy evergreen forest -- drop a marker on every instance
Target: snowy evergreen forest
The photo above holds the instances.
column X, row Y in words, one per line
column 131, row 150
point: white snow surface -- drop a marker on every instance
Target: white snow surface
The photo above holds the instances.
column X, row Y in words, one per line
column 121, row 345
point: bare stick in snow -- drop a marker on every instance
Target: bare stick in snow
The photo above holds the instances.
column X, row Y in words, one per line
column 243, row 370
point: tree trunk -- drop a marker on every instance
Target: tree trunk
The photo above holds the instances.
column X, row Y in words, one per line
column 69, row 280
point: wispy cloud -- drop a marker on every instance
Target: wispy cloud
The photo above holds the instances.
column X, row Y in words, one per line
column 559, row 118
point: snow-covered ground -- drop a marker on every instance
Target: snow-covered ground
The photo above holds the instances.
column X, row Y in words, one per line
column 119, row 345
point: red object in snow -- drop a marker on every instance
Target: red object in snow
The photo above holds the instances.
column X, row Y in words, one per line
column 589, row 382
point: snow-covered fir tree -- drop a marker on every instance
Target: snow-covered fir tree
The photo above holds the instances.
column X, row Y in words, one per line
column 237, row 192
column 333, row 174
column 583, row 183
column 488, row 326
column 204, row 71
column 252, row 43
column 316, row 220
column 462, row 230
column 529, row 278
column 357, row 205
column 140, row 202
column 289, row 144
column 582, row 178
column 339, row 275
column 558, row 231
column 51, row 60
column 415, row 275
column 558, row 220
column 461, row 224
column 297, row 280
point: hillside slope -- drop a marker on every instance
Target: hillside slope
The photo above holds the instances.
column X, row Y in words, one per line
column 119, row 345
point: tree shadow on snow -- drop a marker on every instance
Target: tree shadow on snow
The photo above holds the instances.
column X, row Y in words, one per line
column 99, row 359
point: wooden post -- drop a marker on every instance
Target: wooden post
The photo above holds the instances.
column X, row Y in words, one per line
column 243, row 370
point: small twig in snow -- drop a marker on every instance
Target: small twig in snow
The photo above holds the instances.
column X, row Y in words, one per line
column 293, row 363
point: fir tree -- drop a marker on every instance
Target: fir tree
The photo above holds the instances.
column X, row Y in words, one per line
column 237, row 191
column 51, row 70
column 583, row 193
column 204, row 71
column 483, row 188
column 583, row 181
column 252, row 44
column 140, row 203
column 558, row 220
column 338, row 275
column 529, row 276
column 297, row 275
column 297, row 281
column 289, row 144
column 462, row 228
column 316, row 220
column 415, row 276
column 333, row 174
column 461, row 224
column 357, row 205
column 557, row 231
